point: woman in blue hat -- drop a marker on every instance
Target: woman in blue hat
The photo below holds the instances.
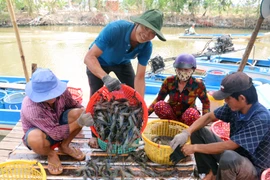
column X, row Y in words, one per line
column 51, row 116
column 183, row 90
column 117, row 44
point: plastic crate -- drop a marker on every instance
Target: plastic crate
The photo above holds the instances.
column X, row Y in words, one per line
column 14, row 101
column 76, row 93
column 161, row 153
column 22, row 169
column 221, row 129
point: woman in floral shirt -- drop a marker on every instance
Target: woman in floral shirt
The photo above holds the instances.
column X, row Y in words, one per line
column 183, row 89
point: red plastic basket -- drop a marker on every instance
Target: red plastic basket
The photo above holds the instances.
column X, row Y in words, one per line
column 266, row 174
column 221, row 129
column 76, row 94
column 125, row 92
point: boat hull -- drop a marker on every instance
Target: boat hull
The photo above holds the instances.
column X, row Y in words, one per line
column 211, row 36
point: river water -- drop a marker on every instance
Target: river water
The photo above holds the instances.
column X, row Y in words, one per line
column 62, row 49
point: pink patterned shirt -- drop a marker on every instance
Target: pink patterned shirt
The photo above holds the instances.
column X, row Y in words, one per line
column 45, row 118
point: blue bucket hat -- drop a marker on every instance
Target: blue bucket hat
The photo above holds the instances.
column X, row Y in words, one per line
column 44, row 85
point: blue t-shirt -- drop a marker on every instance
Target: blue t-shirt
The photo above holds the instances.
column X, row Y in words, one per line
column 114, row 41
column 251, row 132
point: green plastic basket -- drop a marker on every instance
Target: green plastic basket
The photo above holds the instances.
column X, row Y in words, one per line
column 117, row 149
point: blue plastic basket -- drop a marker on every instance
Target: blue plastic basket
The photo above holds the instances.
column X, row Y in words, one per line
column 14, row 101
column 3, row 81
column 3, row 94
column 214, row 77
column 11, row 90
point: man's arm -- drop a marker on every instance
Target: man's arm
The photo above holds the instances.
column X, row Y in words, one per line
column 212, row 148
column 92, row 63
column 201, row 122
column 139, row 81
column 181, row 138
column 216, row 148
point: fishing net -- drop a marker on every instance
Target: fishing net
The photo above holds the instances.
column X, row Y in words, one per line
column 126, row 95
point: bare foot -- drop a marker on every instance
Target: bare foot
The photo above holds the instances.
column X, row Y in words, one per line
column 76, row 153
column 210, row 176
column 54, row 164
column 93, row 143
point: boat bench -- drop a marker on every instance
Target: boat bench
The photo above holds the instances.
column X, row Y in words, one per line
column 12, row 86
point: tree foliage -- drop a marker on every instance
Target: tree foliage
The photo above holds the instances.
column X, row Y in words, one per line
column 193, row 7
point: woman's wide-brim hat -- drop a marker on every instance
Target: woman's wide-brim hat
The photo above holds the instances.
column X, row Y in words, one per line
column 44, row 85
column 153, row 19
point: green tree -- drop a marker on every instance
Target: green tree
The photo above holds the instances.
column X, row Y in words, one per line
column 3, row 6
column 177, row 5
column 206, row 4
column 194, row 6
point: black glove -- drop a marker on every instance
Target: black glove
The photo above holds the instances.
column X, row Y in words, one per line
column 111, row 83
column 177, row 155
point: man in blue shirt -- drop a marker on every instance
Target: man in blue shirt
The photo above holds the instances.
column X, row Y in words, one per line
column 247, row 153
column 118, row 43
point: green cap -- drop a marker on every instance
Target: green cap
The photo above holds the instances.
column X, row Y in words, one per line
column 153, row 19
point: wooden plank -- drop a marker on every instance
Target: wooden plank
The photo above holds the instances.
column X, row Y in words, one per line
column 181, row 173
column 10, row 139
column 8, row 145
column 12, row 86
column 13, row 148
column 3, row 158
column 15, row 135
column 17, row 128
column 4, row 152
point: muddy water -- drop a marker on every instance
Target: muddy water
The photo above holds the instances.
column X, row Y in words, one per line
column 62, row 49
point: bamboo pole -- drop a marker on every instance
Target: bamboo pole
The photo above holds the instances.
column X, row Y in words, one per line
column 13, row 19
column 34, row 67
column 250, row 44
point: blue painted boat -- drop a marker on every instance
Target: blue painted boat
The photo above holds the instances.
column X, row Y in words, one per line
column 233, row 36
column 255, row 68
column 237, row 60
column 212, row 81
column 211, row 70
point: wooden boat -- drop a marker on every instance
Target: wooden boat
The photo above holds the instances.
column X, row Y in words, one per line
column 234, row 36
column 212, row 81
column 12, row 148
column 255, row 68
column 237, row 60
column 10, row 116
column 212, row 70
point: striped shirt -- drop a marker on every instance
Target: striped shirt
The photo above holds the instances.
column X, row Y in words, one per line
column 181, row 101
column 251, row 132
column 46, row 118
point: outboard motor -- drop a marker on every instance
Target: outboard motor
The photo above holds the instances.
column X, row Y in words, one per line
column 157, row 64
column 224, row 44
